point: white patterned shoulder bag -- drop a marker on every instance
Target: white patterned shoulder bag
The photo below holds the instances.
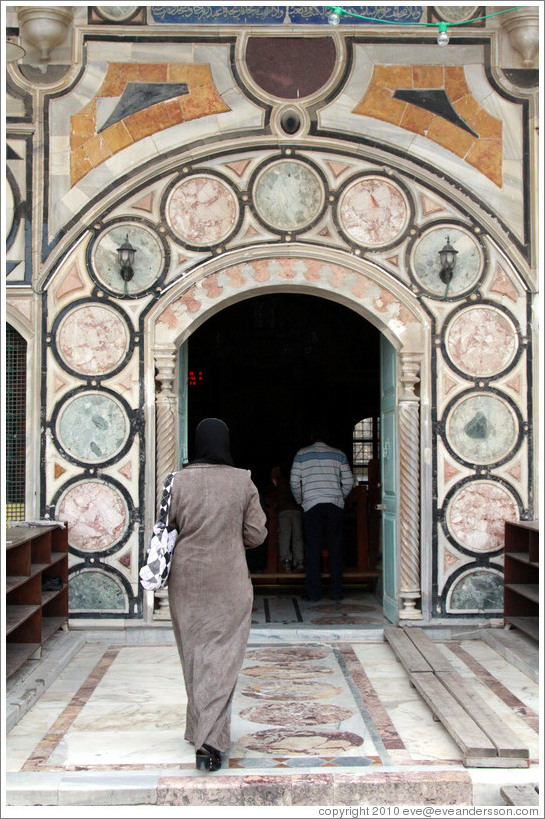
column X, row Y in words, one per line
column 154, row 573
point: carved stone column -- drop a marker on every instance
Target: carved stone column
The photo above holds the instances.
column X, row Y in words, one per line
column 166, row 413
column 409, row 469
column 166, row 417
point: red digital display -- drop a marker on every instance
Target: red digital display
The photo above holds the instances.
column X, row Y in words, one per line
column 194, row 377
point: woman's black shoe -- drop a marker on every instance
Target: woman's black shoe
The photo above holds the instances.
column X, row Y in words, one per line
column 208, row 758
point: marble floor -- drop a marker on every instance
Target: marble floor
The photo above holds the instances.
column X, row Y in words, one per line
column 317, row 704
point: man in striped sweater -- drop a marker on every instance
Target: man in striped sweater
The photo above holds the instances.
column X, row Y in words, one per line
column 320, row 481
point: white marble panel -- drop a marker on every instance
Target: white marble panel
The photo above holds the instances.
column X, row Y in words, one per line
column 510, row 113
column 59, row 157
column 419, row 54
column 242, row 110
column 97, row 180
column 339, row 117
column 144, row 747
column 111, row 51
column 65, row 209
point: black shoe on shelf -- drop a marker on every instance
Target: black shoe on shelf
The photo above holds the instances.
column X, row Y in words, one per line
column 51, row 583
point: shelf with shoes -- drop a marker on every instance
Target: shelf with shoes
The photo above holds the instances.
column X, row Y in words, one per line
column 36, row 589
column 521, row 576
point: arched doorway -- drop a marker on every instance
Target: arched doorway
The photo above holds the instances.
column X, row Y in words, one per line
column 367, row 291
column 271, row 366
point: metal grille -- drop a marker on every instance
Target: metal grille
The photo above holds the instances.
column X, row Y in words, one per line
column 365, row 437
column 15, row 424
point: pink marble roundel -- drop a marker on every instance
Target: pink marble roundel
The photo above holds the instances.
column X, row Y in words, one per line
column 282, row 655
column 92, row 339
column 202, row 210
column 291, row 690
column 287, row 669
column 304, row 742
column 374, row 211
column 477, row 513
column 481, row 341
column 96, row 514
column 296, row 713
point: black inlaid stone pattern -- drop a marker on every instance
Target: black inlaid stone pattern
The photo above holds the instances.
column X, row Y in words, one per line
column 139, row 95
column 436, row 102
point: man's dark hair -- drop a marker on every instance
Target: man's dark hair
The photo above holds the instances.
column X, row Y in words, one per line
column 319, row 432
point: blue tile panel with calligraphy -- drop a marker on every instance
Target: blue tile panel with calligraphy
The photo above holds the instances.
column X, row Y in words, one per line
column 273, row 15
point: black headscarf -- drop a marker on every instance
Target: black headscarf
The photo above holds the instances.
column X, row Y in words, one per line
column 212, row 443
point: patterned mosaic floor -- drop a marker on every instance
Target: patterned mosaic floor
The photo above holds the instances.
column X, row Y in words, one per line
column 315, row 705
column 278, row 607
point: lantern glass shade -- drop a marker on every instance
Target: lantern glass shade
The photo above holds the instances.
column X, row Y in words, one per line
column 448, row 260
column 126, row 253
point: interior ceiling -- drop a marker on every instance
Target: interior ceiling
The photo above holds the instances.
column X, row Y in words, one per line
column 272, row 365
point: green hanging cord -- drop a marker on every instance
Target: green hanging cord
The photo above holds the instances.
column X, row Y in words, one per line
column 442, row 25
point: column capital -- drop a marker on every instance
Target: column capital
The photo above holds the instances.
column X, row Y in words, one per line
column 165, row 364
column 409, row 377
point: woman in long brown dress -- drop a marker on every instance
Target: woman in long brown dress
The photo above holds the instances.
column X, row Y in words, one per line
column 216, row 509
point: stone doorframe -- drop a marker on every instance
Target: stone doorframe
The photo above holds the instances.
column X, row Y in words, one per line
column 368, row 290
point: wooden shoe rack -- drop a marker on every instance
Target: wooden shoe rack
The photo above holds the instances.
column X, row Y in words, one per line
column 521, row 576
column 33, row 554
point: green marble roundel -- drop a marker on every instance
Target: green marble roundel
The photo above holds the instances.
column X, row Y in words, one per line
column 426, row 264
column 95, row 591
column 288, row 195
column 148, row 262
column 92, row 427
column 478, row 591
column 482, row 429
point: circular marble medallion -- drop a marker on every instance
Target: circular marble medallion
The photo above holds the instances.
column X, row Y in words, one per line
column 96, row 514
column 457, row 14
column 425, row 262
column 476, row 591
column 116, row 14
column 289, row 670
column 282, row 655
column 288, row 195
column 481, row 341
column 477, row 513
column 374, row 212
column 202, row 210
column 9, row 207
column 482, row 429
column 92, row 590
column 296, row 713
column 149, row 258
column 92, row 427
column 92, row 339
column 291, row 690
column 283, row 742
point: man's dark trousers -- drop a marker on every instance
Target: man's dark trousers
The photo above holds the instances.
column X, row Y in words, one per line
column 323, row 530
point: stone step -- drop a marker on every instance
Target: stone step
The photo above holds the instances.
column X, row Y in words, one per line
column 167, row 788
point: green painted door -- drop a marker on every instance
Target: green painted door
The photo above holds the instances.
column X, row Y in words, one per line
column 182, row 406
column 388, row 462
